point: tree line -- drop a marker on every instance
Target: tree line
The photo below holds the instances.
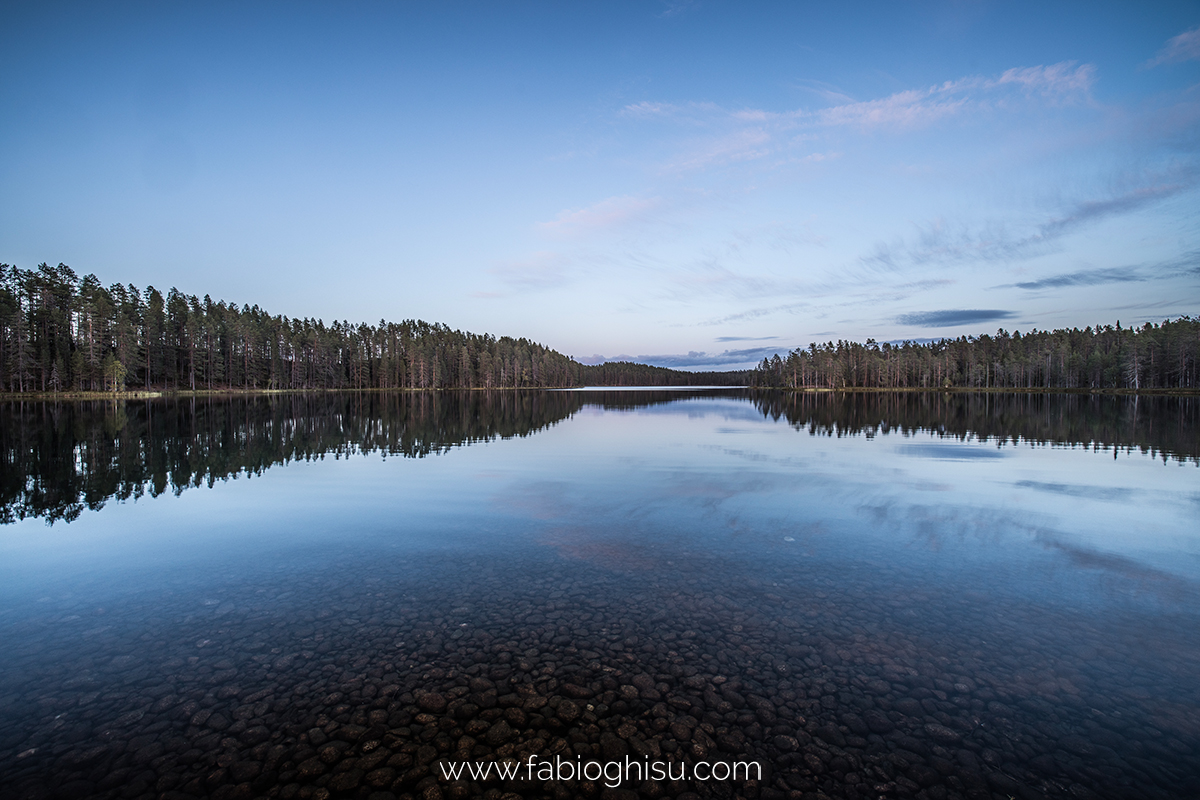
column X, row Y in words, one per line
column 1104, row 357
column 59, row 332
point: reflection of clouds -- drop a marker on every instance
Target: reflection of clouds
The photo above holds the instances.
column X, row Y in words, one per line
column 729, row 430
column 930, row 486
column 1146, row 577
column 711, row 490
column 949, row 452
column 937, row 527
column 955, row 506
column 1112, row 493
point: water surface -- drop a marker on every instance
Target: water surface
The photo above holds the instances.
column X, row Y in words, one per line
column 896, row 595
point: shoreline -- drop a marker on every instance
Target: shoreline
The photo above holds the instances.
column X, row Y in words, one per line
column 157, row 394
column 988, row 390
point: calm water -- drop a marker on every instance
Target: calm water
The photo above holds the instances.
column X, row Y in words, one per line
column 877, row 595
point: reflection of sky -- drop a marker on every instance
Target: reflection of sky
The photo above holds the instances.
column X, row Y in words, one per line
column 625, row 489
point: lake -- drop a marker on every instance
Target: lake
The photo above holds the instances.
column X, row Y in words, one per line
column 932, row 595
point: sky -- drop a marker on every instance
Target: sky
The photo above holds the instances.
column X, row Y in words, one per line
column 690, row 184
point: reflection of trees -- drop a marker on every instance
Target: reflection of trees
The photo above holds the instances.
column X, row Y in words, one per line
column 1165, row 426
column 60, row 458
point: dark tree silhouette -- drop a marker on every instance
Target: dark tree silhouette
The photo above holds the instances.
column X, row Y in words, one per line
column 1104, row 357
column 62, row 333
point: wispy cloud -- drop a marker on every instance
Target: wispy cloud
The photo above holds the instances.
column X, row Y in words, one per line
column 1185, row 265
column 1063, row 82
column 746, row 264
column 751, row 133
column 745, row 338
column 1064, row 79
column 1132, row 200
column 1184, row 47
column 755, row 313
column 1086, row 277
column 647, row 109
column 675, row 7
column 942, row 243
column 745, row 144
column 826, row 91
column 542, row 270
column 712, row 278
column 949, row 318
column 909, row 109
column 604, row 215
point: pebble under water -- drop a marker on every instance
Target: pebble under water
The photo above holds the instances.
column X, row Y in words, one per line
column 673, row 622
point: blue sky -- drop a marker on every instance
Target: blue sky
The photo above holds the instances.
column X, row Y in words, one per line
column 698, row 184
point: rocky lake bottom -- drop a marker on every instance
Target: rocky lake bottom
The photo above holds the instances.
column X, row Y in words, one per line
column 839, row 667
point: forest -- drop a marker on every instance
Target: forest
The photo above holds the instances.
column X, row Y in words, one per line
column 1104, row 357
column 62, row 333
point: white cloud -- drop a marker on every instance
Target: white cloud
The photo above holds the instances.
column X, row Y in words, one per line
column 743, row 145
column 751, row 133
column 943, row 244
column 909, row 109
column 1062, row 79
column 648, row 109
column 915, row 108
column 542, row 270
column 606, row 214
column 1184, row 47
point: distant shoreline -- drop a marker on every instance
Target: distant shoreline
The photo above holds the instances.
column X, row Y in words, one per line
column 989, row 390
column 156, row 394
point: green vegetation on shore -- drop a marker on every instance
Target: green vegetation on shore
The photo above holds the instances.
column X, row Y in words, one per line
column 60, row 333
column 1103, row 358
column 68, row 336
